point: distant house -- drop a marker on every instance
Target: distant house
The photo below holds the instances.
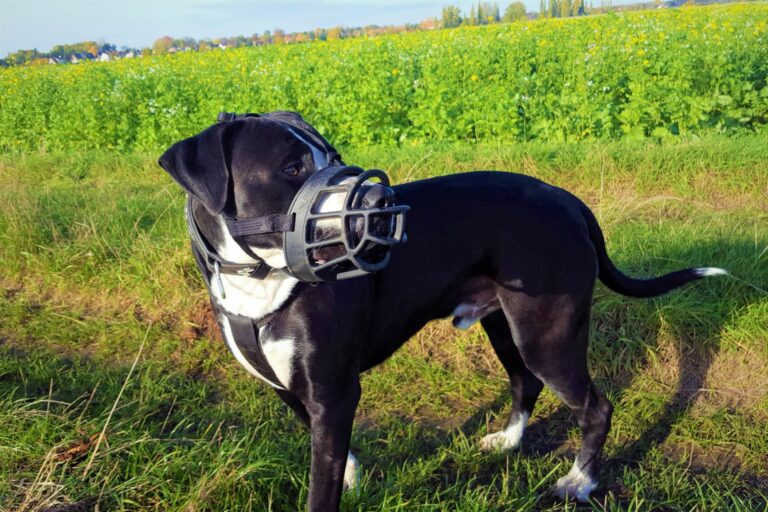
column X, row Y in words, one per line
column 223, row 46
column 129, row 54
column 53, row 60
column 172, row 49
column 104, row 57
column 80, row 57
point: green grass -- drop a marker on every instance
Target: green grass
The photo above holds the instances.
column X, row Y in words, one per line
column 96, row 275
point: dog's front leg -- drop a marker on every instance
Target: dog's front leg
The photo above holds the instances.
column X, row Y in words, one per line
column 331, row 430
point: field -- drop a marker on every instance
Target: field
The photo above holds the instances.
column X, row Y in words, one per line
column 117, row 393
column 97, row 275
column 650, row 74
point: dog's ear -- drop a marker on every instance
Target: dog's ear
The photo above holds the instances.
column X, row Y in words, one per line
column 199, row 164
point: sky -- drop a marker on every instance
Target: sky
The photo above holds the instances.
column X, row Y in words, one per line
column 41, row 24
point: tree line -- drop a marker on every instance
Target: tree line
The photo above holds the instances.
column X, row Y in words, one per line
column 482, row 13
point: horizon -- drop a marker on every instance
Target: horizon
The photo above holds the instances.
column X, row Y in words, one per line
column 139, row 23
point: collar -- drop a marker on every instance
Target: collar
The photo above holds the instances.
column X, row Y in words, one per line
column 215, row 263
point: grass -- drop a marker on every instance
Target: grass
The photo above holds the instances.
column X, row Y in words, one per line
column 97, row 276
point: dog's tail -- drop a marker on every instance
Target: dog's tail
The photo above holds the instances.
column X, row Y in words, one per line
column 619, row 282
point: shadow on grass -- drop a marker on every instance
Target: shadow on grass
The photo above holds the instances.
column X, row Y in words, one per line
column 694, row 316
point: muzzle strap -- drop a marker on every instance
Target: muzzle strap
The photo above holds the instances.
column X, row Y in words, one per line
column 296, row 122
column 274, row 223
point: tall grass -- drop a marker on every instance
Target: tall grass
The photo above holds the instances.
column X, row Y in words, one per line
column 95, row 265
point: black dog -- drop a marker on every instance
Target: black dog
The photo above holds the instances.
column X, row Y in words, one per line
column 510, row 251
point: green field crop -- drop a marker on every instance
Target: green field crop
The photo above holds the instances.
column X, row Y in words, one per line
column 644, row 74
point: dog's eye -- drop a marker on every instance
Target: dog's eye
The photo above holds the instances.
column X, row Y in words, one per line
column 293, row 170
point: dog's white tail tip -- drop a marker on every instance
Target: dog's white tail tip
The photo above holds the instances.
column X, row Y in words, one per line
column 710, row 271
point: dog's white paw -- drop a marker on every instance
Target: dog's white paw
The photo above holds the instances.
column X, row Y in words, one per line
column 351, row 473
column 575, row 485
column 507, row 439
column 499, row 441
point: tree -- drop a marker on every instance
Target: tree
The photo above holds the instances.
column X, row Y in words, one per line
column 472, row 20
column 495, row 13
column 429, row 24
column 333, row 33
column 92, row 48
column 451, row 17
column 278, row 36
column 487, row 13
column 514, row 12
column 162, row 45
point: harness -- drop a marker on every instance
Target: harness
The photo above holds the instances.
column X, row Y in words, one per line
column 294, row 121
column 245, row 330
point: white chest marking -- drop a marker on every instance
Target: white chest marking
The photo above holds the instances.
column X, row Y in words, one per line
column 279, row 354
column 235, row 349
column 254, row 298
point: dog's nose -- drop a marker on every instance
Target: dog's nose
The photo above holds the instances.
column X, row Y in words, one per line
column 378, row 196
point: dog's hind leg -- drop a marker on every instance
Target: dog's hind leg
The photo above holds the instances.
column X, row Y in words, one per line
column 524, row 385
column 551, row 333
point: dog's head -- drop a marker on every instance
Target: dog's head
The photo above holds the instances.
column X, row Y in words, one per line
column 252, row 168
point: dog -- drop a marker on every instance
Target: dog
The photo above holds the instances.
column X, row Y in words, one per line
column 506, row 250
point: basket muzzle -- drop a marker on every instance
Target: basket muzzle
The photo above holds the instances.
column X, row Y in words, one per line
column 342, row 223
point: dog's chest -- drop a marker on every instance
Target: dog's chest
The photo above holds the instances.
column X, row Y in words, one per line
column 254, row 299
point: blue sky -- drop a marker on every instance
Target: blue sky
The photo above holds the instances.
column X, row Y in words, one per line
column 41, row 24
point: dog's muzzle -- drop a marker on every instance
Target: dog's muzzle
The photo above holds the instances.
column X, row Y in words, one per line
column 342, row 223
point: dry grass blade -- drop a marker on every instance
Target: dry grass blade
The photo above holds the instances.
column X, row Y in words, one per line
column 102, row 436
